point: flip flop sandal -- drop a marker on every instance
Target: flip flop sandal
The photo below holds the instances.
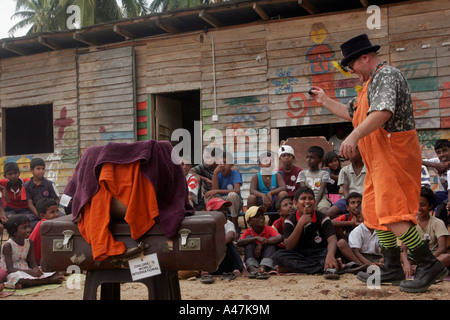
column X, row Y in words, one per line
column 352, row 267
column 263, row 275
column 331, row 274
column 252, row 275
column 228, row 276
column 207, row 279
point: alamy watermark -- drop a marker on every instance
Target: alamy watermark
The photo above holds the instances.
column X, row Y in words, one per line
column 74, row 20
column 374, row 21
column 246, row 146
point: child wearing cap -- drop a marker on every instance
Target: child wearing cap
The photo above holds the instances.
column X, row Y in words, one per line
column 288, row 170
column 259, row 243
column 232, row 262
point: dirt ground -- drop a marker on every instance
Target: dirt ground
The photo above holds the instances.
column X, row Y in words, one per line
column 277, row 287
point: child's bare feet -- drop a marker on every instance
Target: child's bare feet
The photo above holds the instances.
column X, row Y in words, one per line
column 56, row 278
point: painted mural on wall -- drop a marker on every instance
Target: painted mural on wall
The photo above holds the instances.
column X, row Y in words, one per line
column 320, row 57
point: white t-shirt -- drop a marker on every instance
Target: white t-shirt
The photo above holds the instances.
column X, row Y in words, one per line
column 361, row 238
column 314, row 179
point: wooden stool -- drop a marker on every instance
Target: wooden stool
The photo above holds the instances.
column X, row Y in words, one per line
column 161, row 287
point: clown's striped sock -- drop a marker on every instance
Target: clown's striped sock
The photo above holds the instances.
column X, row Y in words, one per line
column 387, row 239
column 411, row 238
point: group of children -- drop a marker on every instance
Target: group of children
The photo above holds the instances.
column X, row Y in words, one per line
column 320, row 229
column 25, row 203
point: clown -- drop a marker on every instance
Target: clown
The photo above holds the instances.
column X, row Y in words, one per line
column 384, row 132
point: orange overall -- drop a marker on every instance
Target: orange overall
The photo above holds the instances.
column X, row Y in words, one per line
column 393, row 161
column 126, row 183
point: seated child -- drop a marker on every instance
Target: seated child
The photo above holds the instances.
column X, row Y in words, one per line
column 204, row 173
column 284, row 208
column 332, row 163
column 288, row 170
column 18, row 257
column 259, row 242
column 430, row 229
column 351, row 179
column 14, row 195
column 39, row 187
column 47, row 209
column 226, row 184
column 266, row 187
column 232, row 261
column 309, row 238
column 316, row 178
column 345, row 223
column 363, row 247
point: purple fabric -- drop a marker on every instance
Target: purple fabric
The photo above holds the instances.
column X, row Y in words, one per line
column 157, row 166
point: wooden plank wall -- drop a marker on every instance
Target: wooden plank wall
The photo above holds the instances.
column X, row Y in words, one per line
column 46, row 78
column 107, row 97
column 173, row 64
column 242, row 91
column 300, row 53
column 420, row 47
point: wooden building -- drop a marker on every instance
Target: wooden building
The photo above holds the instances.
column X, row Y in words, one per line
column 234, row 65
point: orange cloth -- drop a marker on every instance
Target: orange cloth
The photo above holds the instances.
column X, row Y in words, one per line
column 126, row 183
column 393, row 161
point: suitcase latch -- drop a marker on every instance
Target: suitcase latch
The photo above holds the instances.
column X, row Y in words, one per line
column 188, row 243
column 65, row 244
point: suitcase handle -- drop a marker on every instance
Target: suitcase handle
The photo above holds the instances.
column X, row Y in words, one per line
column 184, row 233
column 67, row 235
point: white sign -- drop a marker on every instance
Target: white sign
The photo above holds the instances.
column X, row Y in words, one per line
column 65, row 200
column 144, row 267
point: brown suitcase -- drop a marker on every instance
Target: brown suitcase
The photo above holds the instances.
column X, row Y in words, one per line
column 200, row 245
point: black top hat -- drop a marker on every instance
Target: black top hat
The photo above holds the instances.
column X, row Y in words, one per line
column 356, row 47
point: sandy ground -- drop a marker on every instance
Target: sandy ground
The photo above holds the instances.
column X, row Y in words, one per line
column 277, row 287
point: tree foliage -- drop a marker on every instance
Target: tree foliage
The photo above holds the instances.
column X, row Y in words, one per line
column 52, row 15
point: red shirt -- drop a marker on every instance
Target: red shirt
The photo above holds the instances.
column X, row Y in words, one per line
column 268, row 232
column 18, row 198
column 35, row 236
column 344, row 217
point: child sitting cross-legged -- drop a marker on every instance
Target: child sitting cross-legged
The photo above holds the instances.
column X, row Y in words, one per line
column 47, row 209
column 18, row 257
column 309, row 239
column 259, row 242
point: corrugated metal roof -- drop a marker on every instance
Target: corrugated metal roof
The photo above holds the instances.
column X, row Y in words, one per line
column 205, row 17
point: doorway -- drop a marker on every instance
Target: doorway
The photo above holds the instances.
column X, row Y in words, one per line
column 176, row 110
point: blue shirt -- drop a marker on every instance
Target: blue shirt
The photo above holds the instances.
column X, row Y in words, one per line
column 228, row 182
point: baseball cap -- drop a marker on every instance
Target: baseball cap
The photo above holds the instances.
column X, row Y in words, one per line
column 217, row 203
column 252, row 211
column 286, row 149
